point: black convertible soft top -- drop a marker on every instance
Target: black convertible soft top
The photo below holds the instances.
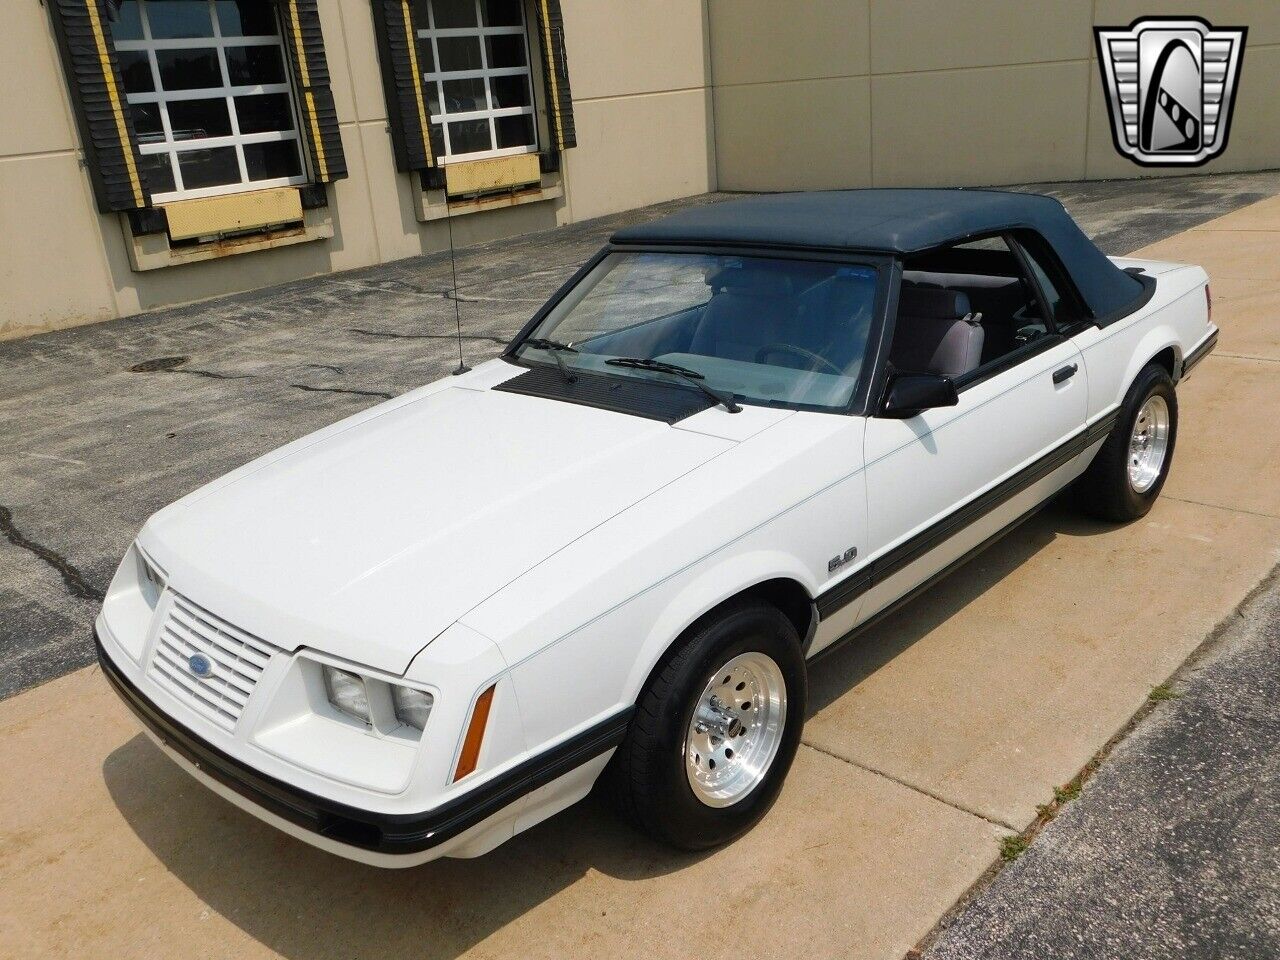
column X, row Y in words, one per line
column 898, row 222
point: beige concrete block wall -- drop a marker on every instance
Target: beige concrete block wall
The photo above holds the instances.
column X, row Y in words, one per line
column 642, row 104
column 672, row 98
column 639, row 73
column 967, row 92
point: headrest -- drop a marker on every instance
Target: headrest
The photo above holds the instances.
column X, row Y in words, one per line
column 752, row 281
column 933, row 303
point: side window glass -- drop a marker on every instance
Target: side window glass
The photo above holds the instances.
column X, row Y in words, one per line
column 1052, row 295
column 962, row 308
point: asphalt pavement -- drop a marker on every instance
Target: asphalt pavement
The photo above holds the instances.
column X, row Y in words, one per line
column 1172, row 850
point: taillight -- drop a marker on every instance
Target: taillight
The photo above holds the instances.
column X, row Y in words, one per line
column 1208, row 301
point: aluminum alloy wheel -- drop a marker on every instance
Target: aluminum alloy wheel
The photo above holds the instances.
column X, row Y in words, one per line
column 736, row 729
column 1149, row 444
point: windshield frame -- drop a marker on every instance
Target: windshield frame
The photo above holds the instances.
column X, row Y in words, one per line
column 859, row 403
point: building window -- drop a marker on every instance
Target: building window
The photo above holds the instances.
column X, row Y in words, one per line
column 475, row 60
column 209, row 93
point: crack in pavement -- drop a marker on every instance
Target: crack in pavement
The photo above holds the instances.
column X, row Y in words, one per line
column 326, row 366
column 76, row 584
column 359, row 393
column 1219, row 506
column 426, row 336
column 1241, row 356
column 911, row 786
column 213, row 375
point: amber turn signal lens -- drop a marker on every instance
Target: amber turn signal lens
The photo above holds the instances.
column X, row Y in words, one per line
column 470, row 755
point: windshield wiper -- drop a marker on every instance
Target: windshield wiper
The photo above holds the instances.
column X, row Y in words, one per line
column 691, row 376
column 555, row 348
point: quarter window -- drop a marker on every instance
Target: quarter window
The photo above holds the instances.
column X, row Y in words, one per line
column 208, row 90
column 475, row 58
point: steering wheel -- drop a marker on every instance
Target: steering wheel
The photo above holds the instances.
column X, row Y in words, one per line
column 814, row 358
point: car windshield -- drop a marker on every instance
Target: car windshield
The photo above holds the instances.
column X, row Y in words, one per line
column 774, row 331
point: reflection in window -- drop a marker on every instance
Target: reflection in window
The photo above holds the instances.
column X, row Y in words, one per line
column 209, row 96
column 475, row 60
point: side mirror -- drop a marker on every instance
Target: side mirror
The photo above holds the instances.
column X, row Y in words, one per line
column 911, row 393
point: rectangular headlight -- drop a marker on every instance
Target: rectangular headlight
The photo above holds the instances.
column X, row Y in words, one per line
column 347, row 693
column 412, row 706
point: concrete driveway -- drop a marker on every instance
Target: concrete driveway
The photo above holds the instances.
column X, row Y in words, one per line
column 926, row 744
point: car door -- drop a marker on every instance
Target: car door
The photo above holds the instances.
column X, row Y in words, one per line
column 941, row 483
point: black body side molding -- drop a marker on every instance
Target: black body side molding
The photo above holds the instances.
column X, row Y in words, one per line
column 901, row 556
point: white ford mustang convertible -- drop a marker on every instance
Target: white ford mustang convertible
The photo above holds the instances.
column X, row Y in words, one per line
column 735, row 438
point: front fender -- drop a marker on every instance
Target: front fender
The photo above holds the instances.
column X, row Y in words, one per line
column 704, row 592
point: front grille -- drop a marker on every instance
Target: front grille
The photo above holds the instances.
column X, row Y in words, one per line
column 237, row 659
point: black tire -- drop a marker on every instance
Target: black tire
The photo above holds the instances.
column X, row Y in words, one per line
column 646, row 779
column 1105, row 489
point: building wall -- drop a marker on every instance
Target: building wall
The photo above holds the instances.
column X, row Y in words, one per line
column 854, row 93
column 672, row 98
column 636, row 68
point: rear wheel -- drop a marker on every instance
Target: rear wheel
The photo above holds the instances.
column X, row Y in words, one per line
column 1130, row 470
column 715, row 730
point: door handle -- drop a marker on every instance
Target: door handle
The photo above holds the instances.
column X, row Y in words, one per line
column 1063, row 374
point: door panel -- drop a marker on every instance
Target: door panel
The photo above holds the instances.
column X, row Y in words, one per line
column 922, row 471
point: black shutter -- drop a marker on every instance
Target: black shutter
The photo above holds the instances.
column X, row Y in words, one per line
column 305, row 45
column 555, row 72
column 396, row 26
column 102, row 113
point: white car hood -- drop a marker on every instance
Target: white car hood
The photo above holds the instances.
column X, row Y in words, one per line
column 369, row 542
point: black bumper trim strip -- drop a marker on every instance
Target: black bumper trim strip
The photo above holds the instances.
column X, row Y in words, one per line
column 901, row 556
column 1199, row 353
column 381, row 833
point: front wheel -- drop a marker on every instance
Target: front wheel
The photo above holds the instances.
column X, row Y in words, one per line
column 1129, row 471
column 715, row 730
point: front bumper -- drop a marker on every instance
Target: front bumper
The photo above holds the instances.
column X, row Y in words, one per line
column 351, row 827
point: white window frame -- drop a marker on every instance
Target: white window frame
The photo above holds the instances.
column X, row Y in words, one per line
column 236, row 139
column 437, row 77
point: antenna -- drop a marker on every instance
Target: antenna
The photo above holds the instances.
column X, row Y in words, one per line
column 453, row 265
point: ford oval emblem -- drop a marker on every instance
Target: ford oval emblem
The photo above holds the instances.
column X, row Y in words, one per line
column 200, row 665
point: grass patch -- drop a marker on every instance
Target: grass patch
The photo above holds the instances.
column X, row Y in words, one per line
column 1011, row 848
column 1163, row 692
column 1067, row 793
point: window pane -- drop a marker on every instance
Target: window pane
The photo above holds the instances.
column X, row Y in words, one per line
column 129, row 26
column 135, row 67
column 437, row 140
column 454, row 13
column 469, row 136
column 189, row 69
column 502, row 13
column 173, row 19
column 459, row 53
column 146, row 122
column 433, row 97
column 426, row 57
column 246, row 18
column 250, row 66
column 198, row 119
column 462, row 96
column 1050, row 291
column 505, row 50
column 515, row 131
column 271, row 161
column 157, row 171
column 262, row 112
column 209, row 168
column 510, row 91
